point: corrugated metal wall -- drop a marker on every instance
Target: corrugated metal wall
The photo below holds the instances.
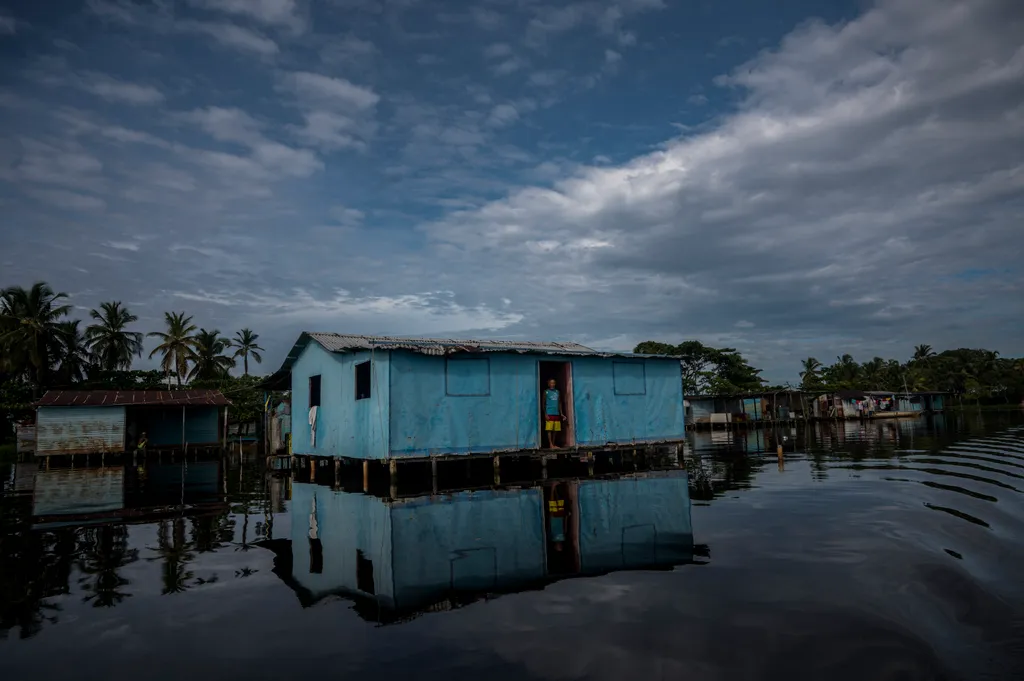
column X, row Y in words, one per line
column 79, row 430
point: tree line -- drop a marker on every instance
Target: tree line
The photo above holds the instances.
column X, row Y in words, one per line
column 974, row 374
column 41, row 347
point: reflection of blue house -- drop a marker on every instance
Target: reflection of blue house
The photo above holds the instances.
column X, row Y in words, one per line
column 405, row 555
column 381, row 398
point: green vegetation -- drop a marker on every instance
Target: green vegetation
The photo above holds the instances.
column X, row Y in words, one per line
column 42, row 348
column 976, row 376
column 708, row 370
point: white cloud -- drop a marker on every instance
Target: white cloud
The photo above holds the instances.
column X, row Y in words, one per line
column 497, row 50
column 67, row 200
column 225, row 124
column 347, row 49
column 502, row 115
column 327, row 90
column 612, row 57
column 123, row 245
column 235, row 125
column 283, row 13
column 234, row 37
column 330, row 131
column 347, row 216
column 861, row 159
column 118, row 90
column 697, row 100
column 8, row 25
column 508, row 66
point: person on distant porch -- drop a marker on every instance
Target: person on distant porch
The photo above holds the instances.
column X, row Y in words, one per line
column 553, row 415
column 143, row 441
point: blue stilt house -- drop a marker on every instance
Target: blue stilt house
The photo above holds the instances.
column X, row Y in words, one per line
column 372, row 397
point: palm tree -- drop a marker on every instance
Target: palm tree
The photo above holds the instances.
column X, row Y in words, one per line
column 111, row 344
column 178, row 346
column 845, row 372
column 923, row 352
column 209, row 359
column 245, row 341
column 809, row 377
column 72, row 353
column 29, row 331
column 872, row 373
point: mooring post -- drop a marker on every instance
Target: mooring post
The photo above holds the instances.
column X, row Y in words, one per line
column 544, row 466
column 312, row 470
column 337, row 473
column 497, row 470
column 433, row 475
column 366, row 476
column 634, row 459
column 590, row 464
column 393, row 475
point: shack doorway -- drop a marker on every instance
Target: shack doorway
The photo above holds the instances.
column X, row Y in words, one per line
column 562, row 373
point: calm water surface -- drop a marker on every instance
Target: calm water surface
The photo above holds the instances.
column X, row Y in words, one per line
column 891, row 550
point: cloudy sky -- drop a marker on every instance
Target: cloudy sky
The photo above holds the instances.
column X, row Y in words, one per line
column 809, row 180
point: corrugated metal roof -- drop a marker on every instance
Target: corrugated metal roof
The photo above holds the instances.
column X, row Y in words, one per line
column 336, row 342
column 134, row 398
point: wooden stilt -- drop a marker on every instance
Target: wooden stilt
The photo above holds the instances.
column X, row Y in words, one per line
column 433, row 476
column 497, row 470
column 337, row 473
column 312, row 469
column 543, row 466
column 393, row 476
column 590, row 464
column 366, row 476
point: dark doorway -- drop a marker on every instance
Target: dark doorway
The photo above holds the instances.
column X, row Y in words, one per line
column 562, row 373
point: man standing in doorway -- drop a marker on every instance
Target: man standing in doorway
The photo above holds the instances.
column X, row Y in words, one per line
column 553, row 415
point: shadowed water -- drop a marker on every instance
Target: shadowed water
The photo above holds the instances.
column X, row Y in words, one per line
column 886, row 550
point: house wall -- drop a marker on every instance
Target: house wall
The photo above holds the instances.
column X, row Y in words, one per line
column 604, row 415
column 631, row 523
column 425, row 419
column 345, row 426
column 163, row 425
column 470, row 541
column 643, row 402
column 345, row 524
column 79, row 430
column 702, row 410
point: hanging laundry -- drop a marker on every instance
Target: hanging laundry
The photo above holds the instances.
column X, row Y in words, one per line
column 312, row 425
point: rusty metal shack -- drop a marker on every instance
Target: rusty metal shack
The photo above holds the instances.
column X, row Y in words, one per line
column 113, row 421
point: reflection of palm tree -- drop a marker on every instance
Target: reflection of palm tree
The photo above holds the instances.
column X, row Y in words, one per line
column 176, row 554
column 102, row 552
column 33, row 567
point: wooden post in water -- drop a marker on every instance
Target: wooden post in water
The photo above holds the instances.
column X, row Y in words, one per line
column 433, row 475
column 497, row 470
column 337, row 473
column 544, row 466
column 393, row 476
column 590, row 464
column 312, row 470
column 366, row 476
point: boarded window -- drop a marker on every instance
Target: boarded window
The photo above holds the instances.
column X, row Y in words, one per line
column 314, row 391
column 364, row 573
column 363, row 380
column 467, row 377
column 629, row 378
